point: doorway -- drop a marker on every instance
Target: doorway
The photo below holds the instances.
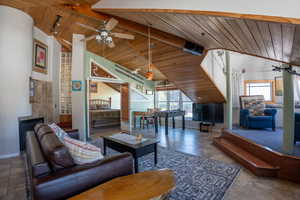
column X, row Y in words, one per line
column 104, row 108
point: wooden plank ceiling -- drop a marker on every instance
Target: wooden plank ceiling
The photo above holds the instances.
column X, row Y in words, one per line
column 44, row 14
column 170, row 62
column 272, row 40
column 276, row 41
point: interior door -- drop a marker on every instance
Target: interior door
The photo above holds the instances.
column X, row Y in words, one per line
column 125, row 108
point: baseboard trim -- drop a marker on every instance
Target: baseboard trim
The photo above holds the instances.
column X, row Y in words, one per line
column 9, row 155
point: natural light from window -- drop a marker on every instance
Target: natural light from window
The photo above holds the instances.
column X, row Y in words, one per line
column 264, row 89
column 174, row 100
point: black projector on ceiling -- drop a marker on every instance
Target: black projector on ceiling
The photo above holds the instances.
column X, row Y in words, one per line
column 193, row 48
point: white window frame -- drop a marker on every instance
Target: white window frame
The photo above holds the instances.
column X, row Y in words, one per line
column 168, row 101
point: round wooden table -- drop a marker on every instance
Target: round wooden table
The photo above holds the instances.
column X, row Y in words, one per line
column 149, row 185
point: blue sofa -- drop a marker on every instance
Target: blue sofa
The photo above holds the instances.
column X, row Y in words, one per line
column 250, row 121
column 297, row 127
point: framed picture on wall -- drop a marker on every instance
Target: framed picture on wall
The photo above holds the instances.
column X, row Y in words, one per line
column 93, row 87
column 76, row 86
column 278, row 86
column 40, row 57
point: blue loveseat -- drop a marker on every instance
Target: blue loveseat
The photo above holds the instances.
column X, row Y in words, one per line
column 266, row 121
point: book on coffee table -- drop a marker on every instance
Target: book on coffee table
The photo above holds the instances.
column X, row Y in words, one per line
column 130, row 139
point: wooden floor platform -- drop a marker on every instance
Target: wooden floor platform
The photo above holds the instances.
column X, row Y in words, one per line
column 260, row 160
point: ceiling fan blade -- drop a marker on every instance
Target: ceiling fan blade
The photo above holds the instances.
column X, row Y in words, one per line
column 87, row 27
column 90, row 37
column 111, row 24
column 123, row 36
column 111, row 45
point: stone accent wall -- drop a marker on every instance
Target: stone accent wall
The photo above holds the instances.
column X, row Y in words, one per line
column 42, row 102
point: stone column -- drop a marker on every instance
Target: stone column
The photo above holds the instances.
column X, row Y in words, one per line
column 288, row 112
column 228, row 106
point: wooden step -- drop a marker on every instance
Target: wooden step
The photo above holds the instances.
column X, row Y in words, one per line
column 258, row 166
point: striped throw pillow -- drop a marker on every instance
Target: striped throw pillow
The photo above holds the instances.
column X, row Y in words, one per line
column 81, row 152
column 60, row 133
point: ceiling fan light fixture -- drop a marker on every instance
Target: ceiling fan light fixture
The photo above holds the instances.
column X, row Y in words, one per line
column 98, row 38
column 108, row 40
column 104, row 34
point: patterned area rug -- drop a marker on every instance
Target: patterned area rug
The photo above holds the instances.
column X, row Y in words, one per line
column 197, row 178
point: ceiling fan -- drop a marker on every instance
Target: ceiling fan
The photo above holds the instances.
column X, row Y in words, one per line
column 104, row 33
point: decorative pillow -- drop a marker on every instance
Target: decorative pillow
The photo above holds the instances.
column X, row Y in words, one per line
column 60, row 133
column 81, row 152
column 259, row 108
column 256, row 107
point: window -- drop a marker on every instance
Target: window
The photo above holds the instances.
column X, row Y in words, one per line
column 187, row 106
column 174, row 96
column 162, row 100
column 264, row 87
column 65, row 83
column 173, row 100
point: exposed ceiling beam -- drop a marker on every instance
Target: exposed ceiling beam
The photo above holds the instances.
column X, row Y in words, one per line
column 64, row 43
column 86, row 10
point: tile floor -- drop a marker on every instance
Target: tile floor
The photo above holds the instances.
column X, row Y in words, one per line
column 246, row 186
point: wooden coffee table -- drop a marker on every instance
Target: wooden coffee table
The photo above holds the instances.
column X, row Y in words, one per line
column 137, row 150
column 141, row 186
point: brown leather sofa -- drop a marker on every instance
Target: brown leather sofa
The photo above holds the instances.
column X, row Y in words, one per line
column 53, row 173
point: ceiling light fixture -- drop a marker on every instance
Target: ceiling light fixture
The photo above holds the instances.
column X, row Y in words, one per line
column 98, row 38
column 149, row 74
column 56, row 24
column 104, row 34
column 108, row 40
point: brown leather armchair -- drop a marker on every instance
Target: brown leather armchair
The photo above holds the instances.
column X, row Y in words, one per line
column 55, row 176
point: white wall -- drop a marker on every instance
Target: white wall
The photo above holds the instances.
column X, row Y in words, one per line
column 15, row 68
column 213, row 64
column 54, row 50
column 105, row 92
column 78, row 74
column 287, row 8
column 254, row 69
column 140, row 101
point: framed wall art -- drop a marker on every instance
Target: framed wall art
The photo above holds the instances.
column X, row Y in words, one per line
column 76, row 86
column 40, row 57
column 93, row 87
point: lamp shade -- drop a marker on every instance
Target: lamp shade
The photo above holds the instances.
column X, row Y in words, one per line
column 149, row 75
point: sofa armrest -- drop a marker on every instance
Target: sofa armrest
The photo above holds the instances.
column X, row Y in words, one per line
column 75, row 180
column 244, row 113
column 270, row 112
